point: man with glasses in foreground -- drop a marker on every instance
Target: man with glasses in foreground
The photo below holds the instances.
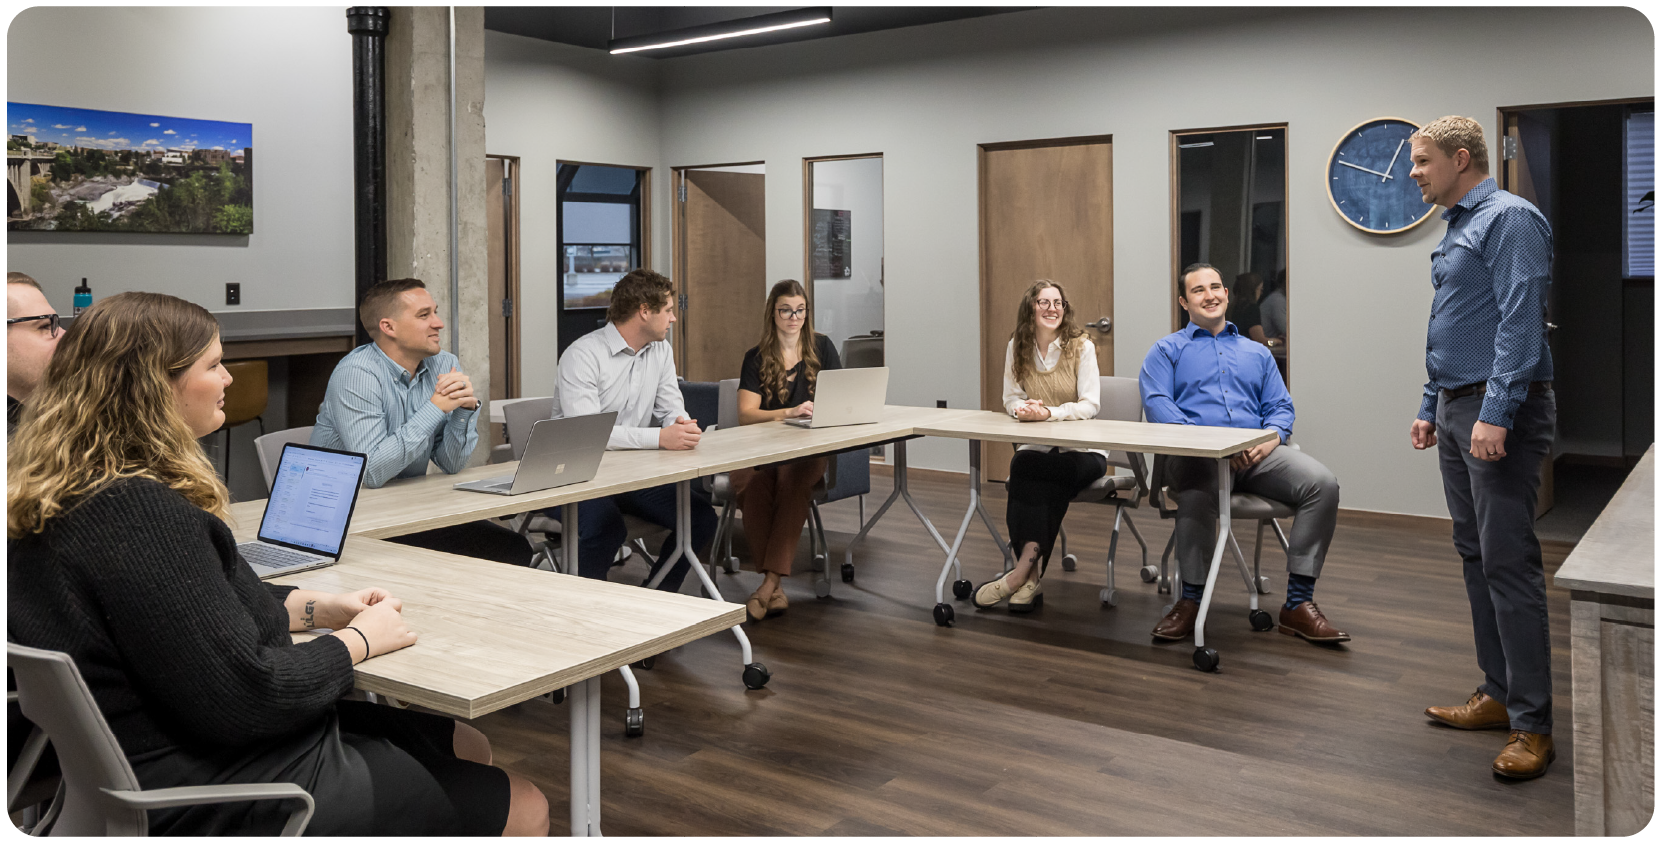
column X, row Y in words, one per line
column 32, row 333
column 1208, row 374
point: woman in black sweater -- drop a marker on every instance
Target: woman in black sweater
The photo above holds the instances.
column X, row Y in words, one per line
column 777, row 382
column 120, row 557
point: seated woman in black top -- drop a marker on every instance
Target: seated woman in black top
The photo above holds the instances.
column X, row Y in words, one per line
column 777, row 383
column 121, row 558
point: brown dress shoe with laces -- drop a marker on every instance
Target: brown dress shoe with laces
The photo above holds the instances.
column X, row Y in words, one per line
column 1479, row 712
column 1306, row 621
column 1179, row 622
column 1526, row 755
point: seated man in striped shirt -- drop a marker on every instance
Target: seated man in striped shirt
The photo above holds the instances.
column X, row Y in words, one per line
column 405, row 402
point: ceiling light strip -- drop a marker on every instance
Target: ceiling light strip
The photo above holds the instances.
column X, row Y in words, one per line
column 682, row 38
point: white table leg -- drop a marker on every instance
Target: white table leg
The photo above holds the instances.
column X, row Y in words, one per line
column 962, row 589
column 1205, row 658
column 584, row 699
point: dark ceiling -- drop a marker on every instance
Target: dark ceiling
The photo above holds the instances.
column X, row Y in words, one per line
column 595, row 26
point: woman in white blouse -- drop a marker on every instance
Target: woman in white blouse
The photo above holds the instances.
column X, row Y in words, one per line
column 1050, row 374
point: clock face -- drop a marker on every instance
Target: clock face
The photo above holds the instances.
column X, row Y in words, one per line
column 1367, row 178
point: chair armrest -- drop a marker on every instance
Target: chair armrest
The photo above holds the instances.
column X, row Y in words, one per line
column 214, row 794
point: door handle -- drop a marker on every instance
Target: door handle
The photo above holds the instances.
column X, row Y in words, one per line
column 1104, row 324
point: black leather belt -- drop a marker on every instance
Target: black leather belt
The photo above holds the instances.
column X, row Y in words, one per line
column 1482, row 389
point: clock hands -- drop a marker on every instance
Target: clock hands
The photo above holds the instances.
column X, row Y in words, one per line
column 1365, row 170
column 1394, row 157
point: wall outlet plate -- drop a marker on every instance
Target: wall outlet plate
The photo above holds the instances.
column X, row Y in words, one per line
column 233, row 293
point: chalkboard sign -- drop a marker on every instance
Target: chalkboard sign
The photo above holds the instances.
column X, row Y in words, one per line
column 832, row 244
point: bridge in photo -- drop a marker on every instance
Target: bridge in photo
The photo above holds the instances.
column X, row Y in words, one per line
column 20, row 170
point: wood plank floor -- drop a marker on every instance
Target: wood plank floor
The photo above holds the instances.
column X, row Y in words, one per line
column 1068, row 721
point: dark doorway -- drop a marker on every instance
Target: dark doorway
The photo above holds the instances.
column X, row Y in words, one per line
column 601, row 238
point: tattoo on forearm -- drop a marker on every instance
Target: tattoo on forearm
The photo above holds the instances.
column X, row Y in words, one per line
column 310, row 620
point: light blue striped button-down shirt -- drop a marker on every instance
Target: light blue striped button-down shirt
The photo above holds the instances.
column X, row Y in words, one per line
column 374, row 407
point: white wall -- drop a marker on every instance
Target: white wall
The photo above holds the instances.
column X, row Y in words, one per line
column 925, row 96
column 287, row 71
column 545, row 103
column 844, row 307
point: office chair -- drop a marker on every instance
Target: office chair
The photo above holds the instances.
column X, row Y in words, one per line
column 270, row 449
column 100, row 795
column 1121, row 400
column 1242, row 506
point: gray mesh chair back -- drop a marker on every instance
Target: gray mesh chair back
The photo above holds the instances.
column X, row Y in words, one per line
column 520, row 416
column 270, row 449
column 100, row 794
column 862, row 352
column 1122, row 401
column 727, row 413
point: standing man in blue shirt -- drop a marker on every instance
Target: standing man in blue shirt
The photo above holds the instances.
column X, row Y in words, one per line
column 404, row 401
column 1489, row 410
column 1208, row 374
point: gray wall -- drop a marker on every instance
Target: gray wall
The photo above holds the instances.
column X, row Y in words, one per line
column 287, row 71
column 925, row 96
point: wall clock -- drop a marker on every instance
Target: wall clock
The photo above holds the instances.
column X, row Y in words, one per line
column 1367, row 178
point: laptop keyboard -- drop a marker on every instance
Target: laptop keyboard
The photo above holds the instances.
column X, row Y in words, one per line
column 272, row 556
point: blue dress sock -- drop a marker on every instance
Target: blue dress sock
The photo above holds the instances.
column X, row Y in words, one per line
column 1299, row 589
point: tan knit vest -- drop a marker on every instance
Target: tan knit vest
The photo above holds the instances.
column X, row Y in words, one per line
column 1059, row 385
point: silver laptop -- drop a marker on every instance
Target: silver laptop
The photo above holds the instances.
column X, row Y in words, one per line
column 311, row 505
column 847, row 396
column 559, row 452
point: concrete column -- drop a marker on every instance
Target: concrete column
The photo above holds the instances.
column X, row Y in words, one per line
column 418, row 172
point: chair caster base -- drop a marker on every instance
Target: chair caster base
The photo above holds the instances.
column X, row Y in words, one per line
column 1261, row 621
column 963, row 589
column 730, row 564
column 818, row 563
column 847, row 572
column 943, row 614
column 1165, row 586
column 634, row 724
column 1205, row 659
column 1150, row 573
column 756, row 675
column 646, row 663
column 556, row 697
column 1110, row 597
column 1069, row 562
column 1262, row 585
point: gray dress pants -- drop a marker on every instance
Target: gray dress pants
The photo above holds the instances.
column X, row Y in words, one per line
column 1285, row 475
column 1492, row 504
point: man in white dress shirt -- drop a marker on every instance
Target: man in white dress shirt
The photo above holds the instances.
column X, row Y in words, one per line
column 627, row 367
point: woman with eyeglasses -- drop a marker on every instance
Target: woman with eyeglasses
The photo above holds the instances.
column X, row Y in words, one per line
column 119, row 555
column 777, row 383
column 1050, row 375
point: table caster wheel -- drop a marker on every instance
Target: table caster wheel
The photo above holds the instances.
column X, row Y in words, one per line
column 1150, row 573
column 1205, row 659
column 1261, row 621
column 1262, row 585
column 847, row 572
column 556, row 697
column 1109, row 597
column 634, row 725
column 756, row 675
column 963, row 589
column 821, row 588
column 1069, row 562
column 646, row 663
column 943, row 614
column 730, row 564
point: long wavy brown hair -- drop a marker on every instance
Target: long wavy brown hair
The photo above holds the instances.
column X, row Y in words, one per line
column 1026, row 329
column 771, row 351
column 106, row 410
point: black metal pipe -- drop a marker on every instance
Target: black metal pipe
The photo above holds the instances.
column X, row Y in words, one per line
column 368, row 26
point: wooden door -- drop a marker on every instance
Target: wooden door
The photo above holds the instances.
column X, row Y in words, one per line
column 723, row 277
column 502, row 238
column 1046, row 211
column 1525, row 155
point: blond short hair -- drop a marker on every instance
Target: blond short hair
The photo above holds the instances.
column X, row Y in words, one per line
column 1453, row 133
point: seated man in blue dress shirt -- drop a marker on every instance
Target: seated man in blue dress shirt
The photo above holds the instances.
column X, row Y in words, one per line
column 627, row 367
column 404, row 402
column 1208, row 374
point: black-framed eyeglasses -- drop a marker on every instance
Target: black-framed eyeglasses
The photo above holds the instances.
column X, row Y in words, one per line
column 786, row 313
column 51, row 322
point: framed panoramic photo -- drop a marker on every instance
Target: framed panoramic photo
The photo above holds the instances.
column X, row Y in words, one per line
column 78, row 169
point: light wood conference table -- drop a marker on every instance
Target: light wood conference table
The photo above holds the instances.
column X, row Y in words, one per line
column 493, row 635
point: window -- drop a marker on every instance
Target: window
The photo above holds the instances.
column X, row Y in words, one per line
column 1640, row 192
column 600, row 242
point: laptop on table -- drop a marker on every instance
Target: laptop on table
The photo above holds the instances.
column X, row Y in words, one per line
column 847, row 396
column 559, row 452
column 310, row 509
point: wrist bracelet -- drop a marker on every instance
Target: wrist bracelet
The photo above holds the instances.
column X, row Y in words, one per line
column 366, row 651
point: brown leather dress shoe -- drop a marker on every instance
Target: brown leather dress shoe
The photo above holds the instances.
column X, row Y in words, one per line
column 1526, row 755
column 1306, row 621
column 1177, row 623
column 1479, row 712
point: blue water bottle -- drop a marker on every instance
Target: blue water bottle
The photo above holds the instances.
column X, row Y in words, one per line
column 83, row 297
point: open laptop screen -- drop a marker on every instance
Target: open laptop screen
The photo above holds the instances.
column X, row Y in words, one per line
column 312, row 498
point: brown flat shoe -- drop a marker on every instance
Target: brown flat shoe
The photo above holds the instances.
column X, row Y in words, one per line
column 1526, row 755
column 1306, row 621
column 1177, row 623
column 777, row 603
column 755, row 608
column 1479, row 712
